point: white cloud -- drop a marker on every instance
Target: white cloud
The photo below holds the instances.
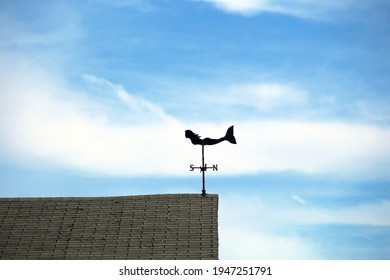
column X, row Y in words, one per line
column 43, row 120
column 311, row 9
column 244, row 6
column 311, row 147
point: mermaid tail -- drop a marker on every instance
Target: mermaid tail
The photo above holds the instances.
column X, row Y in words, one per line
column 229, row 135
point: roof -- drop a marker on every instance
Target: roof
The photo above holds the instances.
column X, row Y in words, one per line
column 173, row 226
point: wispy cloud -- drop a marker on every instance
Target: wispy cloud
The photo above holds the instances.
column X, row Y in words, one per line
column 371, row 214
column 310, row 9
column 374, row 109
column 144, row 110
column 299, row 199
column 266, row 230
column 266, row 98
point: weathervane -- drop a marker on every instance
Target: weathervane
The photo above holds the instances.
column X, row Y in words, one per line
column 195, row 139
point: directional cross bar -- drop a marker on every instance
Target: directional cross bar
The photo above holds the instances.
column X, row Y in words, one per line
column 204, row 168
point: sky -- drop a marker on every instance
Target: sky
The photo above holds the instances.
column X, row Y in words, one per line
column 95, row 97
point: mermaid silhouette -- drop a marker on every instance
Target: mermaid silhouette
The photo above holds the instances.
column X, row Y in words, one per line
column 195, row 138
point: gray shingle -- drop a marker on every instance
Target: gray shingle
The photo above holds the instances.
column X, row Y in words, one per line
column 172, row 226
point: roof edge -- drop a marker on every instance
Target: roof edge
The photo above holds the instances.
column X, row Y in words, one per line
column 175, row 195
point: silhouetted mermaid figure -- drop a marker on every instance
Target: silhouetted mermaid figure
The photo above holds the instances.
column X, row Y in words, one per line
column 195, row 138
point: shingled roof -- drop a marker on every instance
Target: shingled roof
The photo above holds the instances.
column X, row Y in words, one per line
column 174, row 226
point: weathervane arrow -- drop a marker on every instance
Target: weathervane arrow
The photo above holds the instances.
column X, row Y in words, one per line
column 195, row 139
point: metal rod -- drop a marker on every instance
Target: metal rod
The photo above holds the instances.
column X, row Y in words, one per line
column 203, row 170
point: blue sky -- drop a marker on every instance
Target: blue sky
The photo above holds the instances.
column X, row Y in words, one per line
column 95, row 97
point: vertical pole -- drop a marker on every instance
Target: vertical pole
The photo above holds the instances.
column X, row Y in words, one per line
column 203, row 170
